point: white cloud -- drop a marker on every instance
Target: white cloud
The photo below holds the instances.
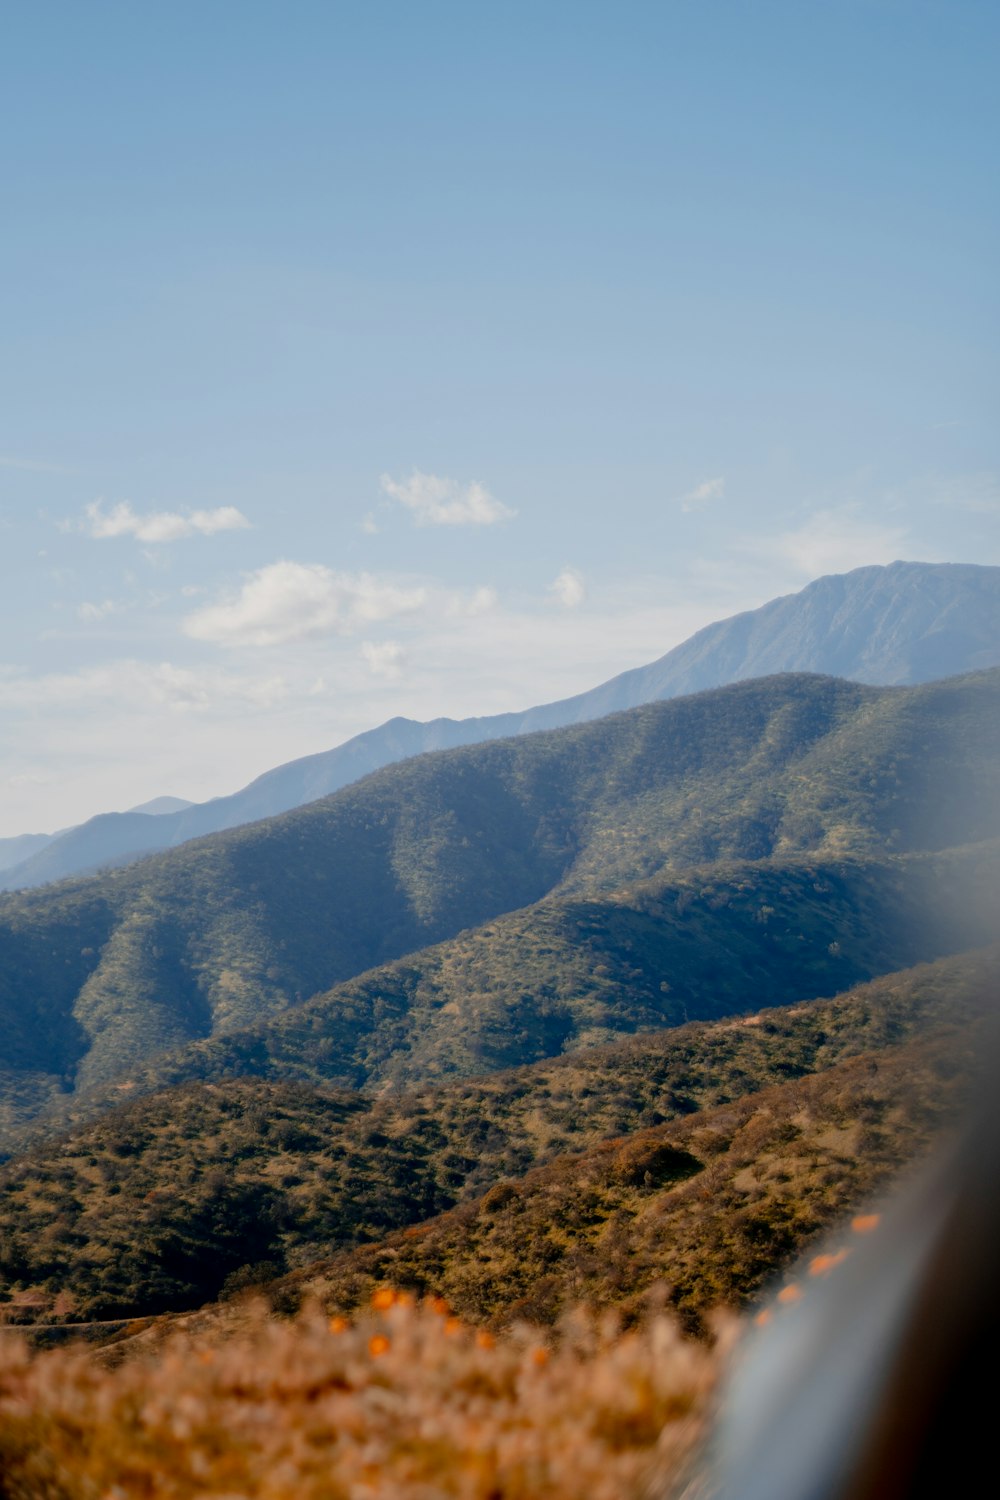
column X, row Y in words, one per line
column 384, row 658
column 91, row 612
column 568, row 589
column 139, row 686
column 977, row 493
column 436, row 501
column 161, row 525
column 479, row 602
column 834, row 541
column 289, row 601
column 369, row 525
column 709, row 489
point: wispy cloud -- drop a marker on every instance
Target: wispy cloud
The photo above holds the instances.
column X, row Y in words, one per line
column 476, row 602
column 158, row 526
column 289, row 601
column 567, row 588
column 435, row 501
column 384, row 658
column 91, row 612
column 834, row 541
column 142, row 685
column 977, row 493
column 704, row 493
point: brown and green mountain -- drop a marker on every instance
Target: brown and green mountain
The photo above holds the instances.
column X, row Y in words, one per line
column 818, row 823
column 157, row 1203
column 711, row 1207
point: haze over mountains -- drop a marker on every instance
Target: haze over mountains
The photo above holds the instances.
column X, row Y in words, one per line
column 15, row 850
column 905, row 623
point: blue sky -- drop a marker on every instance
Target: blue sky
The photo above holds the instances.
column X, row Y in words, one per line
column 364, row 359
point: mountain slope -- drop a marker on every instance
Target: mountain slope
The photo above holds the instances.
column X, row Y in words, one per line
column 906, row 623
column 131, row 1214
column 710, row 1206
column 101, row 975
column 564, row 975
column 20, row 849
column 86, row 850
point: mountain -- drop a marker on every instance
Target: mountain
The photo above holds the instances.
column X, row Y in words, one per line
column 708, row 1208
column 160, row 807
column 16, row 851
column 905, row 623
column 762, row 842
column 130, row 1215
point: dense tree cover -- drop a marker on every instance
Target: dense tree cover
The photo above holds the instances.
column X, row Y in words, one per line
column 569, row 973
column 165, row 1201
column 98, row 976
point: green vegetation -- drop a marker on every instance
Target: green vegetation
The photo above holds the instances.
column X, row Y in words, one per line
column 711, row 1205
column 100, row 976
column 164, row 1202
column 565, row 974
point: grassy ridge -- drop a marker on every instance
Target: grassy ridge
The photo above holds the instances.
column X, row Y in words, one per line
column 98, row 976
column 712, row 1205
column 163, row 1201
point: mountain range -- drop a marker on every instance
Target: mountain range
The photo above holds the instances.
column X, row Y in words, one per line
column 775, row 839
column 905, row 623
column 657, row 994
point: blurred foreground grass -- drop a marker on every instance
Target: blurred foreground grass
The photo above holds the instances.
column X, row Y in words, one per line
column 404, row 1401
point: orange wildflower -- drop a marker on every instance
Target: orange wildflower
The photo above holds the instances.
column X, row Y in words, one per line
column 377, row 1345
column 484, row 1340
column 763, row 1317
column 453, row 1326
column 821, row 1264
column 865, row 1223
column 337, row 1325
column 540, row 1356
column 383, row 1298
column 790, row 1293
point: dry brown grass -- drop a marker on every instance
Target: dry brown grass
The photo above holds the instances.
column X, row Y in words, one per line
column 404, row 1403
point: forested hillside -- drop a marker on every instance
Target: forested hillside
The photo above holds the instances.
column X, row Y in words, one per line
column 562, row 975
column 165, row 1201
column 102, row 975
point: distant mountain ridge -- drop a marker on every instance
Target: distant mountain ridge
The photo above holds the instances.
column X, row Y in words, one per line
column 847, row 826
column 906, row 623
column 14, row 851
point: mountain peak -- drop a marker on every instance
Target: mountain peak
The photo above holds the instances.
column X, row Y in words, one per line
column 886, row 625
